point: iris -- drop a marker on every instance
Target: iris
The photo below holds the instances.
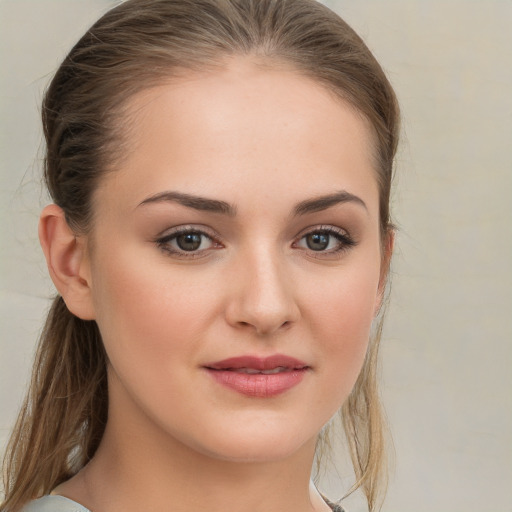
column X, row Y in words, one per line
column 317, row 241
column 189, row 241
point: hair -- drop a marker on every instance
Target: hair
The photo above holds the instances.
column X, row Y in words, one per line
column 136, row 45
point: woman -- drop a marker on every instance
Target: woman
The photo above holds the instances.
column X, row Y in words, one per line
column 220, row 239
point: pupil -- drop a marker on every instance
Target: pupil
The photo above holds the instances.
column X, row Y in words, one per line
column 189, row 241
column 317, row 241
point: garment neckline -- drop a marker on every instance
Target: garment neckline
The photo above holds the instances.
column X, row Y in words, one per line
column 69, row 500
column 333, row 506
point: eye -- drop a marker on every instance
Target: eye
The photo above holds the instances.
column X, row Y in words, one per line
column 190, row 241
column 326, row 240
column 187, row 242
column 319, row 241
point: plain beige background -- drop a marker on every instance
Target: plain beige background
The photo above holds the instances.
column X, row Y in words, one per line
column 447, row 349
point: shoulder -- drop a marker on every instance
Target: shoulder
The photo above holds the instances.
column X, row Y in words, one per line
column 53, row 504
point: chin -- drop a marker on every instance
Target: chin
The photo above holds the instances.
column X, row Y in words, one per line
column 256, row 445
column 254, row 452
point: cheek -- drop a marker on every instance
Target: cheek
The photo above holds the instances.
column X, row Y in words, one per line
column 340, row 317
column 147, row 313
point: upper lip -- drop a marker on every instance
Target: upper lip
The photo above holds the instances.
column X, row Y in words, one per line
column 258, row 363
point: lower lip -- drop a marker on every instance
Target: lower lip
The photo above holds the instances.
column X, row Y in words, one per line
column 258, row 385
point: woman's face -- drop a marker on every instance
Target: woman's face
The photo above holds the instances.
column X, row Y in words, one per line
column 236, row 261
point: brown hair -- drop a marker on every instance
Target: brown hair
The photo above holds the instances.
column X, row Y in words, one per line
column 136, row 45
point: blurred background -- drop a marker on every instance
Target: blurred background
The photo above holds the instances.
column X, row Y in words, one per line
column 447, row 346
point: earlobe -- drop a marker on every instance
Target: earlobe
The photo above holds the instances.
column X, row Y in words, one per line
column 67, row 261
column 387, row 253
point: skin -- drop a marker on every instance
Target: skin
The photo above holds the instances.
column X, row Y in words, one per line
column 262, row 140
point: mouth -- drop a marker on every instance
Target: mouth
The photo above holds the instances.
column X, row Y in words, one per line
column 254, row 371
column 258, row 377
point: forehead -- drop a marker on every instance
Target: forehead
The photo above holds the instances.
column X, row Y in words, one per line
column 246, row 122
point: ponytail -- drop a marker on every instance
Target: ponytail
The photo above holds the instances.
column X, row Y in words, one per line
column 63, row 417
column 365, row 428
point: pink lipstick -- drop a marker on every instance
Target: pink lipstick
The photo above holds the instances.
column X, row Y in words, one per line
column 260, row 377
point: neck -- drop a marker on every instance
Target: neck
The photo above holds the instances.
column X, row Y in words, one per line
column 151, row 477
column 138, row 466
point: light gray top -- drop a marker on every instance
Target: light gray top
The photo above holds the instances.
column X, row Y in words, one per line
column 54, row 504
column 61, row 504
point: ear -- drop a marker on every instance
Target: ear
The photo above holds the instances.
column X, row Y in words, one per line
column 67, row 261
column 388, row 244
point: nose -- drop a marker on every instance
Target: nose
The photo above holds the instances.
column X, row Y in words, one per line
column 263, row 298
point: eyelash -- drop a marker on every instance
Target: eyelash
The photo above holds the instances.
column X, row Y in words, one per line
column 164, row 242
column 345, row 242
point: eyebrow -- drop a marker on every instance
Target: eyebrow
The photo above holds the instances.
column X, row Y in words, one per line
column 216, row 206
column 190, row 201
column 320, row 203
